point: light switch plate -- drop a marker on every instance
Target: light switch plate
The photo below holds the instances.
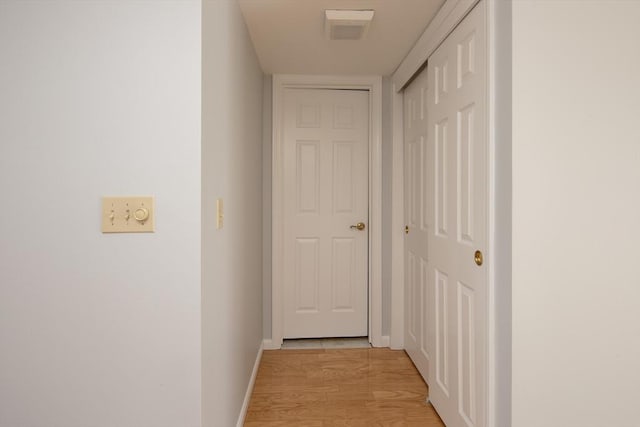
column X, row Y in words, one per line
column 128, row 214
column 219, row 214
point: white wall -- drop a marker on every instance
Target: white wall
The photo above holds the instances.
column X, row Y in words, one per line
column 232, row 170
column 501, row 239
column 576, row 205
column 99, row 98
column 267, row 153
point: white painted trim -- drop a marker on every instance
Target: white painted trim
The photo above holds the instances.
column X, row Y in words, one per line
column 249, row 392
column 498, row 18
column 490, row 224
column 268, row 344
column 491, row 315
column 397, row 223
column 384, row 341
column 449, row 15
column 374, row 85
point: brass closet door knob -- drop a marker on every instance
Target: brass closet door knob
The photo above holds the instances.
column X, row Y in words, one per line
column 478, row 258
column 359, row 226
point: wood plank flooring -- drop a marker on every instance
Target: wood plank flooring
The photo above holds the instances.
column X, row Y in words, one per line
column 339, row 388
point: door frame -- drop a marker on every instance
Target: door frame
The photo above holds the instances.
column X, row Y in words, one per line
column 373, row 84
column 448, row 17
column 498, row 257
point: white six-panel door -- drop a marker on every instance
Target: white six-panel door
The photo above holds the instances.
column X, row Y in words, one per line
column 417, row 193
column 458, row 149
column 326, row 134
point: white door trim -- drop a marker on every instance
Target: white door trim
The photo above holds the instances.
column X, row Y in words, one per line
column 396, row 337
column 449, row 15
column 374, row 85
column 498, row 20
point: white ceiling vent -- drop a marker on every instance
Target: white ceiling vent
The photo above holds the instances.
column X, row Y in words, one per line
column 347, row 24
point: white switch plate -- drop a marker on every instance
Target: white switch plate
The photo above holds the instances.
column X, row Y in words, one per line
column 219, row 214
column 128, row 214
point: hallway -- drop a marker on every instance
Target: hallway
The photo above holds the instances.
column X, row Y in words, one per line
column 334, row 387
column 182, row 102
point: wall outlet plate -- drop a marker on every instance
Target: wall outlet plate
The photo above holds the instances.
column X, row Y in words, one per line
column 128, row 214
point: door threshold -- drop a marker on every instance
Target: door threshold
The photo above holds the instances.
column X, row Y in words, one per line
column 325, row 343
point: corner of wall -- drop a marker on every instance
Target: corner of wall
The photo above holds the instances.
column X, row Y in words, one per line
column 267, row 107
column 500, row 38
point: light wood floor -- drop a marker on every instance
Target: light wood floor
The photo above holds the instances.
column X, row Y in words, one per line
column 331, row 388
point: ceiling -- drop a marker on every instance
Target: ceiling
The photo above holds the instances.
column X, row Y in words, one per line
column 288, row 35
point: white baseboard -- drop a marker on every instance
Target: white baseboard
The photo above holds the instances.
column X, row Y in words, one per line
column 395, row 345
column 270, row 345
column 384, row 341
column 252, row 381
column 381, row 341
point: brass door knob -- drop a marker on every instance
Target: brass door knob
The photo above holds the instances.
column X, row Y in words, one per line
column 359, row 226
column 478, row 257
column 406, row 229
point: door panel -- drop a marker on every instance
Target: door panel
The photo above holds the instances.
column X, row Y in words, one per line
column 344, row 273
column 326, row 136
column 442, row 367
column 442, row 178
column 307, row 179
column 306, row 274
